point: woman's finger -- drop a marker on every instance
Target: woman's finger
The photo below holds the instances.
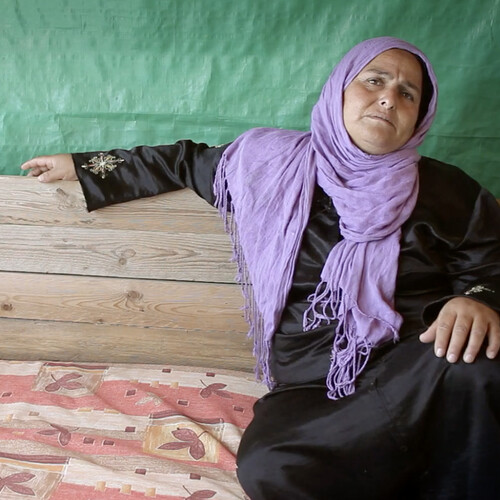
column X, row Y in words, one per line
column 444, row 328
column 493, row 347
column 477, row 335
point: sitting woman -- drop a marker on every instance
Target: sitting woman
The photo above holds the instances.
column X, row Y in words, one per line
column 354, row 255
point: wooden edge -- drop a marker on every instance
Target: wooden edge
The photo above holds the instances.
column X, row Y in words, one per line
column 115, row 301
column 65, row 341
column 26, row 201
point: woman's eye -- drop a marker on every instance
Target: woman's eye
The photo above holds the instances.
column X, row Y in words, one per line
column 408, row 96
column 374, row 81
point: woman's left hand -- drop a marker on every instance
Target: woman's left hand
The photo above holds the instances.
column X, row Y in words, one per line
column 462, row 325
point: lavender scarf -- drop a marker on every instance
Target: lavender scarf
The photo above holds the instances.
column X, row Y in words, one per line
column 264, row 186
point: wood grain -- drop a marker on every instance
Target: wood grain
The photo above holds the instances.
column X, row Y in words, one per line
column 147, row 281
column 116, row 253
column 66, row 341
column 24, row 200
column 146, row 303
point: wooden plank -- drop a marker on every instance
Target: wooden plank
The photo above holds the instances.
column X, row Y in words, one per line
column 64, row 341
column 146, row 303
column 116, row 253
column 80, row 313
column 24, row 200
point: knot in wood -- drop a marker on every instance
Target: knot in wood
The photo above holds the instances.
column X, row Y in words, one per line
column 125, row 255
column 7, row 307
column 129, row 253
column 133, row 295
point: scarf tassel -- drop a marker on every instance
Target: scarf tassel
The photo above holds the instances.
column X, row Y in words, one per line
column 349, row 352
column 262, row 347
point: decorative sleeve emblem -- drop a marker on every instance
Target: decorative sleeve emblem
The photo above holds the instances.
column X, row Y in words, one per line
column 478, row 289
column 102, row 164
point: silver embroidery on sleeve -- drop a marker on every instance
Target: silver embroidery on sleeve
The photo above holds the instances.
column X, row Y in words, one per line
column 102, row 164
column 478, row 289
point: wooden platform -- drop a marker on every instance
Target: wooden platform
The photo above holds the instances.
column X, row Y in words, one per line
column 147, row 281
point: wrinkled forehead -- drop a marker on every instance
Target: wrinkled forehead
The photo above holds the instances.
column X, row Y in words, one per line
column 389, row 61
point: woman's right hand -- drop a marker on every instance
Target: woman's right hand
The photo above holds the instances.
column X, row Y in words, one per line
column 51, row 168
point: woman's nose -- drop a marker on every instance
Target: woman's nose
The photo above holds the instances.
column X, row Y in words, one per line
column 388, row 99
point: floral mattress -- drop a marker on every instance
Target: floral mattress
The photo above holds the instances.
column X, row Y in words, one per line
column 121, row 431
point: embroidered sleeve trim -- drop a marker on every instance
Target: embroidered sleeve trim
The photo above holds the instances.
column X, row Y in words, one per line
column 478, row 289
column 102, row 164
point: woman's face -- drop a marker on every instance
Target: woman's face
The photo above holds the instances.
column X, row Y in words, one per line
column 381, row 104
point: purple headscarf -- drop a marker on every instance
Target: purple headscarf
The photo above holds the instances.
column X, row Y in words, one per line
column 264, row 187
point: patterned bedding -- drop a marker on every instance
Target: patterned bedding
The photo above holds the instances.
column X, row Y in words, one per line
column 121, row 431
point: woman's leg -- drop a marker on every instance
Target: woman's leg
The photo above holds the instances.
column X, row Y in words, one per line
column 301, row 445
column 417, row 427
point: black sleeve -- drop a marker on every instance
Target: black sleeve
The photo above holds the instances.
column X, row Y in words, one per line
column 473, row 262
column 121, row 175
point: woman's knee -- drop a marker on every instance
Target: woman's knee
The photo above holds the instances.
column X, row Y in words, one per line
column 260, row 469
column 483, row 375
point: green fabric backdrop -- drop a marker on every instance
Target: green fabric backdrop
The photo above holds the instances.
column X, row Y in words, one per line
column 95, row 74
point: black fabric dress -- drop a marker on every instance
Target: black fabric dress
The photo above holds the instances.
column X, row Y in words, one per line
column 417, row 426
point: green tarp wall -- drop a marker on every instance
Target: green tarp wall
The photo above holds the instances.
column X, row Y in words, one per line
column 84, row 75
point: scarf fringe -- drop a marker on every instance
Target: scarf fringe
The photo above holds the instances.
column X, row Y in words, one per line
column 261, row 347
column 349, row 352
column 349, row 358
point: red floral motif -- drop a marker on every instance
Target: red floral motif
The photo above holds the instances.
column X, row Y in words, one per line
column 187, row 439
column 64, row 435
column 65, row 382
column 200, row 494
column 12, row 483
column 216, row 389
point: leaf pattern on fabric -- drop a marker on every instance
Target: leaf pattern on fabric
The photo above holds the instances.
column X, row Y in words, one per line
column 13, row 481
column 186, row 439
column 201, row 495
column 217, row 389
column 65, row 382
column 63, row 435
column 56, row 435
